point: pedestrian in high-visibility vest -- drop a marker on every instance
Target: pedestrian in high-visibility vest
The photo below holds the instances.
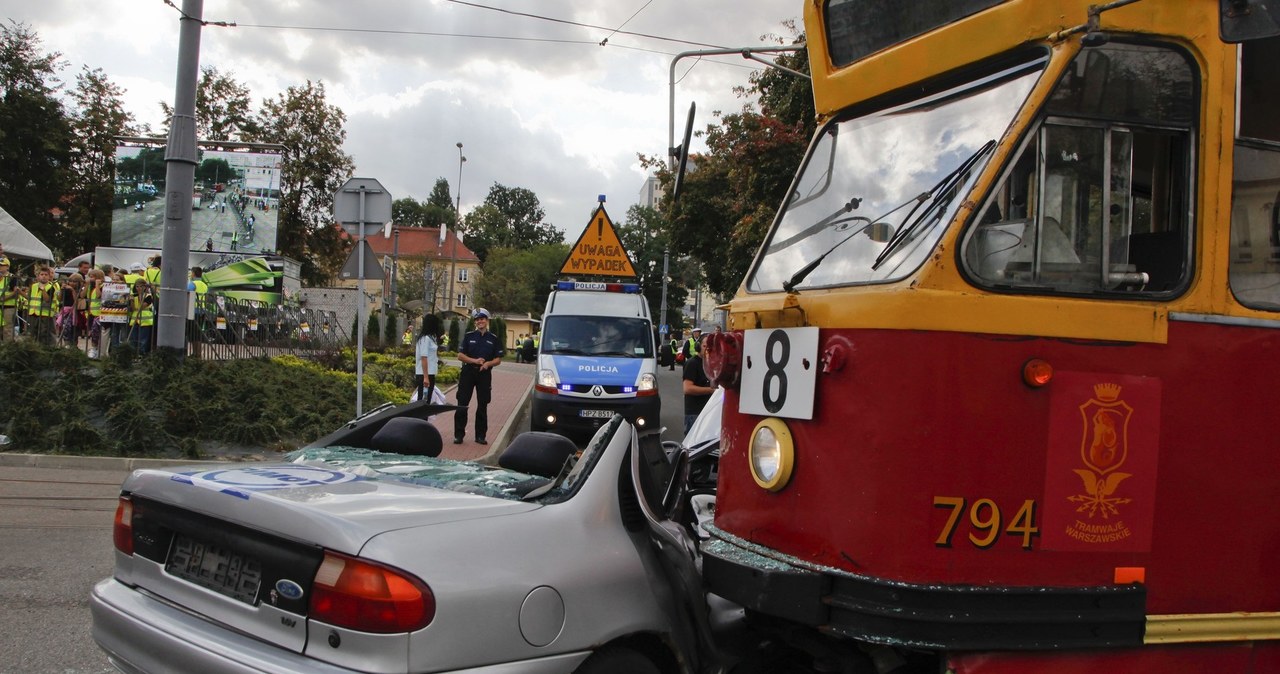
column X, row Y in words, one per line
column 196, row 328
column 674, row 347
column 42, row 305
column 142, row 316
column 152, row 273
column 9, row 293
column 94, row 294
column 690, row 348
column 135, row 272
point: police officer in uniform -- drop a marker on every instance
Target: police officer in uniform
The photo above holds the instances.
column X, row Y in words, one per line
column 480, row 352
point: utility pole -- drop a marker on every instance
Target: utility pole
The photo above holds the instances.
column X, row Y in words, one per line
column 457, row 212
column 180, row 177
column 395, row 263
column 662, row 313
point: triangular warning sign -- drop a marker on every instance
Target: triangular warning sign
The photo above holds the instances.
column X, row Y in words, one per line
column 599, row 251
column 372, row 270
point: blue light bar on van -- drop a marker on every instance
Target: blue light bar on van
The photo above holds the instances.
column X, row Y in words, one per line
column 599, row 286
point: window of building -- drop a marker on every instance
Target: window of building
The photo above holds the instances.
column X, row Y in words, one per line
column 1098, row 198
column 462, row 300
column 462, row 274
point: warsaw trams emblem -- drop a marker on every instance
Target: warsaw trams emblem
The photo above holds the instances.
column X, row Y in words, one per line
column 1101, row 462
column 1104, row 446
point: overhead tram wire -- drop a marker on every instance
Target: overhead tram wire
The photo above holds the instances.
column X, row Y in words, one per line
column 423, row 33
column 587, row 25
column 605, row 41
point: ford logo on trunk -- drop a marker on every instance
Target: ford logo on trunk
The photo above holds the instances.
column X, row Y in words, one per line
column 288, row 589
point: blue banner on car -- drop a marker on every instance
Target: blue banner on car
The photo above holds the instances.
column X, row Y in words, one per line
column 603, row 371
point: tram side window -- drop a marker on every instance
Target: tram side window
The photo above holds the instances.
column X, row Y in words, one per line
column 1255, row 185
column 1097, row 198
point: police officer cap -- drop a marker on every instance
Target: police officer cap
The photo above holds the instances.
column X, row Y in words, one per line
column 136, row 266
column 697, row 329
column 480, row 313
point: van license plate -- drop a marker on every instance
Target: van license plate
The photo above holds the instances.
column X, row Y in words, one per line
column 596, row 414
column 218, row 569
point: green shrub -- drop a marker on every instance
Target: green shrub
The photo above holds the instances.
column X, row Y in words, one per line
column 55, row 400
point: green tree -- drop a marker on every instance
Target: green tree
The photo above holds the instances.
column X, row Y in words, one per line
column 644, row 235
column 407, row 212
column 35, row 134
column 99, row 117
column 440, row 195
column 222, row 107
column 436, row 211
column 411, row 283
column 509, row 217
column 147, row 166
column 314, row 168
column 518, row 280
column 213, row 171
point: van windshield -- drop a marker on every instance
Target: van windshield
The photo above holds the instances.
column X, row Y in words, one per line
column 597, row 336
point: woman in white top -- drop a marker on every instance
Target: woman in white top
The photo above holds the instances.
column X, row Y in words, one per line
column 426, row 356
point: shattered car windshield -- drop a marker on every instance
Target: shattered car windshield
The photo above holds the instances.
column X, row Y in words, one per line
column 461, row 476
column 877, row 190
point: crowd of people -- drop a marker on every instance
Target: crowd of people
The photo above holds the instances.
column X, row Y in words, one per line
column 92, row 308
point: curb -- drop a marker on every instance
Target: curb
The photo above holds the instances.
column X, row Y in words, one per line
column 100, row 462
column 509, row 429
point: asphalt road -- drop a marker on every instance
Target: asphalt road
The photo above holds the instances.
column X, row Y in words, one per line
column 145, row 228
column 56, row 525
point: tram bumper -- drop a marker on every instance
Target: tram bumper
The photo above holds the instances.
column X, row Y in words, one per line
column 942, row 617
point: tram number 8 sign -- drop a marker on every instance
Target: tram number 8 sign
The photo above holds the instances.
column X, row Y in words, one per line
column 985, row 520
column 780, row 372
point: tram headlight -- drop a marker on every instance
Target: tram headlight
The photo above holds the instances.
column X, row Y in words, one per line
column 772, row 454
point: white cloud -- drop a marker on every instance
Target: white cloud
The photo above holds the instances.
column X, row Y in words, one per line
column 551, row 111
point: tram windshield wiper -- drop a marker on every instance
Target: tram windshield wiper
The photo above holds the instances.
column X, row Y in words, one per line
column 875, row 230
column 911, row 224
column 836, row 218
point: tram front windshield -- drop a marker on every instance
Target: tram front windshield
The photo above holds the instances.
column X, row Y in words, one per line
column 877, row 189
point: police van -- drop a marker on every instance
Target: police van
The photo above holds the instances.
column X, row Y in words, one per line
column 596, row 357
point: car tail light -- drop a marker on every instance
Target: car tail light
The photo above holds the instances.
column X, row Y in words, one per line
column 122, row 532
column 368, row 597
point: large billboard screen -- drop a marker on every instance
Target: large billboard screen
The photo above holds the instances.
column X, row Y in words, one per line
column 233, row 208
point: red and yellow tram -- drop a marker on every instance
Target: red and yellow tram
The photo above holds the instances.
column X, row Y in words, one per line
column 1000, row 380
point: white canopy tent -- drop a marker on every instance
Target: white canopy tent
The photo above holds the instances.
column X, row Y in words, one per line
column 20, row 242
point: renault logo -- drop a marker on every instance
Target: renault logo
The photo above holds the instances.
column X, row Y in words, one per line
column 597, row 390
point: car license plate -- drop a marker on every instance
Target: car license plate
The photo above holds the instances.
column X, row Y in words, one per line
column 596, row 414
column 215, row 568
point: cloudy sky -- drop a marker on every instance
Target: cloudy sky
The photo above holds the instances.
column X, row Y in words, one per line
column 537, row 103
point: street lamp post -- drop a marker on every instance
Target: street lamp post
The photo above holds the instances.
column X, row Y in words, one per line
column 457, row 212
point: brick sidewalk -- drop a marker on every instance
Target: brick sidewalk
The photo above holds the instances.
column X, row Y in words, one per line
column 511, row 386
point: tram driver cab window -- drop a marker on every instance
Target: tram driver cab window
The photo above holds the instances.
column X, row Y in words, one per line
column 1255, row 186
column 1097, row 198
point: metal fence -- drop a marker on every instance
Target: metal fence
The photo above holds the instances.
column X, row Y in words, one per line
column 226, row 328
